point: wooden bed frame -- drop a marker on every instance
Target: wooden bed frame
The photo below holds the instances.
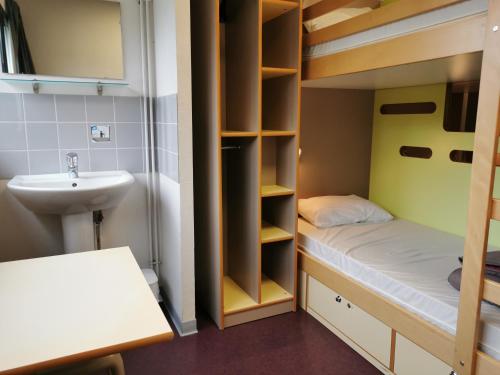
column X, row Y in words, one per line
column 467, row 35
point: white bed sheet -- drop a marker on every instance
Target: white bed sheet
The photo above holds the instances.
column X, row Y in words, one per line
column 406, row 262
column 436, row 17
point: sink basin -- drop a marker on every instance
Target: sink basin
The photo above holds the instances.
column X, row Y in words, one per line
column 58, row 194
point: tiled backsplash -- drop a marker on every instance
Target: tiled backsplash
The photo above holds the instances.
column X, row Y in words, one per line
column 38, row 130
column 167, row 136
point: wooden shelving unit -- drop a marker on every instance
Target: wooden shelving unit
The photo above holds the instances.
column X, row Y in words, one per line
column 278, row 133
column 246, row 127
column 267, row 191
column 268, row 72
column 235, row 298
column 271, row 233
column 272, row 292
column 275, row 8
column 237, row 134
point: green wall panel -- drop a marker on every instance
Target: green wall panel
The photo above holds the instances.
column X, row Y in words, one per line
column 434, row 191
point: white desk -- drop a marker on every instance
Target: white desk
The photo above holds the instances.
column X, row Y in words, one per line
column 69, row 308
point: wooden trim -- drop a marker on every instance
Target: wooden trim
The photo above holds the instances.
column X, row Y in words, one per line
column 323, row 7
column 491, row 291
column 495, row 208
column 421, row 332
column 480, row 199
column 237, row 134
column 393, row 350
column 260, row 313
column 393, row 12
column 91, row 354
column 297, row 156
column 450, row 39
column 258, row 306
column 259, row 157
column 218, row 66
column 497, row 160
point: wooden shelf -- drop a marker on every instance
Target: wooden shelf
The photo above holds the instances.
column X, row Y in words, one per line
column 268, row 72
column 236, row 134
column 275, row 8
column 272, row 292
column 278, row 133
column 235, row 298
column 270, row 233
column 275, row 191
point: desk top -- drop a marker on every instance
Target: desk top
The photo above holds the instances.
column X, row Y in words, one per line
column 67, row 308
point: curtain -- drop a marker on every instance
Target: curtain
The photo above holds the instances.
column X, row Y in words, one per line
column 22, row 55
column 3, row 41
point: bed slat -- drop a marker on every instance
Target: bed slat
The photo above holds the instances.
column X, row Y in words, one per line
column 323, row 7
column 495, row 209
column 491, row 291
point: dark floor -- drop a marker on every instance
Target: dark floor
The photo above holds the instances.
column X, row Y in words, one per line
column 293, row 343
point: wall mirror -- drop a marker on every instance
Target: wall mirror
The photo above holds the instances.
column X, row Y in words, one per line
column 67, row 38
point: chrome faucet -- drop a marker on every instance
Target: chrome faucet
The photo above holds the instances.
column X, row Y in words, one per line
column 72, row 162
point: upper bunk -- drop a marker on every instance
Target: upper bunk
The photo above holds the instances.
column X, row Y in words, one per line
column 367, row 44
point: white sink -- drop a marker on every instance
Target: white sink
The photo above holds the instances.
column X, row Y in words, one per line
column 74, row 199
column 58, row 194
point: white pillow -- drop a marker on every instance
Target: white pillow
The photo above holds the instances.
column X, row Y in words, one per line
column 329, row 211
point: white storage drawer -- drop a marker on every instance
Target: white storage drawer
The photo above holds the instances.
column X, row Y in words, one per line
column 410, row 359
column 366, row 331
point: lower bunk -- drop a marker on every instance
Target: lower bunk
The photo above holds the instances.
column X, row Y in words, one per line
column 383, row 289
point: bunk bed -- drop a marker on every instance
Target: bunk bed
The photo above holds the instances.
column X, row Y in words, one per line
column 409, row 35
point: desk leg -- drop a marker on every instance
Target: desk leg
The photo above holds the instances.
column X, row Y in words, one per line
column 112, row 363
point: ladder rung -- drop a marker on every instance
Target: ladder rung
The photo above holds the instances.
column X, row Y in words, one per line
column 495, row 209
column 497, row 160
column 491, row 291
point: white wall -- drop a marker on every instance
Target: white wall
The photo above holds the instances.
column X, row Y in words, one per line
column 132, row 62
column 173, row 75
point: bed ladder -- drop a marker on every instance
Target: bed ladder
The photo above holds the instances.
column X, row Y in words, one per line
column 483, row 207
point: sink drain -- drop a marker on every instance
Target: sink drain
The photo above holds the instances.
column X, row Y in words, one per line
column 74, row 184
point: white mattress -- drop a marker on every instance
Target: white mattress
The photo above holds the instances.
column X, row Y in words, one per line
column 405, row 262
column 436, row 17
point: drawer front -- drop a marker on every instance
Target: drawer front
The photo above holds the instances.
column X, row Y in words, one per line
column 410, row 359
column 366, row 331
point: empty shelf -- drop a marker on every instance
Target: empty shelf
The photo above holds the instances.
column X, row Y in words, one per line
column 272, row 292
column 278, row 133
column 270, row 233
column 268, row 72
column 275, row 191
column 235, row 298
column 233, row 133
column 275, row 8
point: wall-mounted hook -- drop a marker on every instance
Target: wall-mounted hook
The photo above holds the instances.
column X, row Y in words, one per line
column 99, row 88
column 36, row 87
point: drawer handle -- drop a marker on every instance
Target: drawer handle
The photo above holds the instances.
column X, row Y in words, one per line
column 338, row 299
column 348, row 305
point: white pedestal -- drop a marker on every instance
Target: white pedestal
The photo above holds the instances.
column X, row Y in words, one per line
column 78, row 232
